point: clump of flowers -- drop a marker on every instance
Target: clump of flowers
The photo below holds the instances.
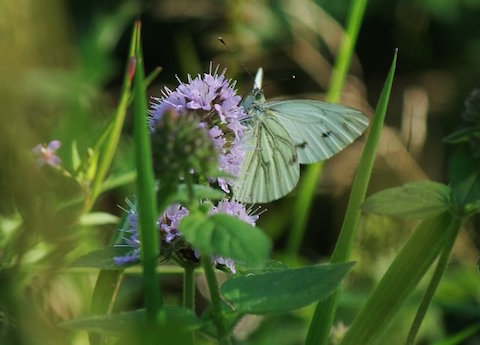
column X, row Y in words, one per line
column 46, row 154
column 168, row 227
column 213, row 101
column 194, row 128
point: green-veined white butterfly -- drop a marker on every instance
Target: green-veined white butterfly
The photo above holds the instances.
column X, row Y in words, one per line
column 284, row 134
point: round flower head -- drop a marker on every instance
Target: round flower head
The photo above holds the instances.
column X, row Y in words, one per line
column 213, row 100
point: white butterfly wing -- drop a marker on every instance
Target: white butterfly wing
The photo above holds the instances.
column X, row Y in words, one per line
column 270, row 167
column 318, row 129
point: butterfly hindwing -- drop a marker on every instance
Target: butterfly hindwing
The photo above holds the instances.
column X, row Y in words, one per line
column 270, row 168
column 318, row 129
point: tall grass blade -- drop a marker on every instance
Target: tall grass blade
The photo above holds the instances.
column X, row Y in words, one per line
column 308, row 184
column 147, row 203
column 325, row 310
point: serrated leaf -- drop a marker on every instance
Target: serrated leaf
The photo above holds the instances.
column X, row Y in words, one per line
column 226, row 236
column 413, row 200
column 98, row 218
column 464, row 174
column 117, row 324
column 102, row 258
column 286, row 290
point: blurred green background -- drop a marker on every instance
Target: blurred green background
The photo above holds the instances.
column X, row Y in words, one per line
column 61, row 65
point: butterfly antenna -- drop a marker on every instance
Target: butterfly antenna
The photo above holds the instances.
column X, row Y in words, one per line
column 235, row 54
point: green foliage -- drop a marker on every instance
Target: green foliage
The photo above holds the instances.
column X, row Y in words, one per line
column 147, row 203
column 403, row 275
column 200, row 192
column 284, row 290
column 325, row 311
column 119, row 324
column 414, row 200
column 226, row 236
column 101, row 258
column 464, row 173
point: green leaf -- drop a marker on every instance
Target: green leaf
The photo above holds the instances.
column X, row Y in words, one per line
column 102, row 258
column 417, row 200
column 76, row 161
column 463, row 135
column 200, row 192
column 117, row 324
column 286, row 290
column 401, row 278
column 460, row 337
column 464, row 173
column 226, row 236
column 114, row 181
column 325, row 311
column 98, row 218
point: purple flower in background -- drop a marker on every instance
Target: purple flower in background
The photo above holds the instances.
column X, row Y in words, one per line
column 168, row 223
column 130, row 237
column 215, row 102
column 46, row 153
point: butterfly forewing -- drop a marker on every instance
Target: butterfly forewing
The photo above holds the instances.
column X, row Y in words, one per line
column 318, row 129
column 270, row 167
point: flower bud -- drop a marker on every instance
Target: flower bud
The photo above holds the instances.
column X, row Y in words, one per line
column 181, row 146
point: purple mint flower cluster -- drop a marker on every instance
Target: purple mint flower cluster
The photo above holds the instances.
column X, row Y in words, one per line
column 213, row 98
column 168, row 227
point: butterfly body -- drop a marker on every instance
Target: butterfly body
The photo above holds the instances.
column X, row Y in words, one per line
column 282, row 135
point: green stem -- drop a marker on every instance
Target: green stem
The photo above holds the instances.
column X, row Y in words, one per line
column 309, row 182
column 103, row 297
column 189, row 287
column 147, row 205
column 411, row 263
column 432, row 286
column 215, row 298
column 325, row 311
column 108, row 282
column 116, row 129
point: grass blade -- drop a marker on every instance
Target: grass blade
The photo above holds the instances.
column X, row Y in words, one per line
column 325, row 310
column 147, row 203
column 401, row 278
column 114, row 130
column 308, row 184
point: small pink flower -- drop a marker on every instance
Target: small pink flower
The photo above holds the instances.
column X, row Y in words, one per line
column 46, row 153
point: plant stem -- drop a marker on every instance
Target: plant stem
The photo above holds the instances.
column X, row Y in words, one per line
column 215, row 298
column 189, row 287
column 116, row 128
column 308, row 184
column 325, row 311
column 411, row 263
column 432, row 286
column 147, row 205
